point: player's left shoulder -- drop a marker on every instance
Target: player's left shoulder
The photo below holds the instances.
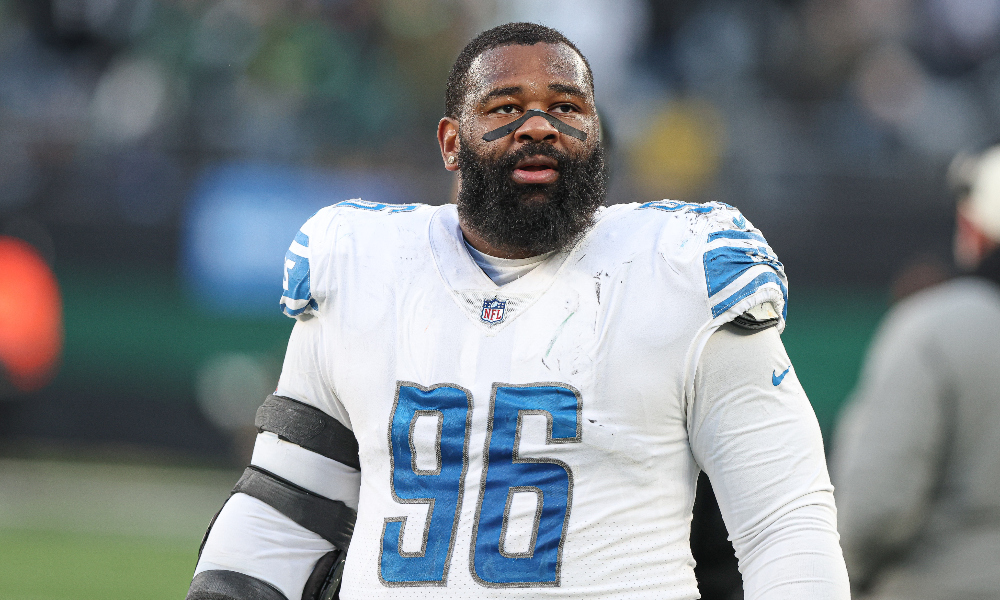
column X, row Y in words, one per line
column 696, row 216
column 678, row 220
column 679, row 229
column 641, row 226
column 715, row 243
column 745, row 282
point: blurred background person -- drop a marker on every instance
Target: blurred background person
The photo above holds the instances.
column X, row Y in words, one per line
column 917, row 452
column 922, row 272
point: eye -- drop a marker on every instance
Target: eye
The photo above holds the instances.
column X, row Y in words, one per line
column 564, row 109
column 506, row 109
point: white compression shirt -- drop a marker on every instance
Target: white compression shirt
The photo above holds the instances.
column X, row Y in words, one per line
column 505, row 270
column 754, row 433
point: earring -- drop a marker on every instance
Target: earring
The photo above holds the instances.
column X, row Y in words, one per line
column 451, row 160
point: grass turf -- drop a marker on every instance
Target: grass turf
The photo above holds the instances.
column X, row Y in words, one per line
column 46, row 565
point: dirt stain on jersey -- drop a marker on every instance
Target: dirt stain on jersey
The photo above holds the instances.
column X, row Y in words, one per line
column 558, row 332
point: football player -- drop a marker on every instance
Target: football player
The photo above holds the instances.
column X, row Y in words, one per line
column 513, row 397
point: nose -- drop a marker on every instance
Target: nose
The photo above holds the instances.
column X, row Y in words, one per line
column 536, row 129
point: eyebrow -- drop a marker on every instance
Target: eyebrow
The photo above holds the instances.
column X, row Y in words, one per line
column 570, row 90
column 514, row 90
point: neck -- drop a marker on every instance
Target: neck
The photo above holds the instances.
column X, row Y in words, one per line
column 476, row 241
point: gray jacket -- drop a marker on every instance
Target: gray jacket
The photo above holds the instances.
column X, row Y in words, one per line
column 916, row 458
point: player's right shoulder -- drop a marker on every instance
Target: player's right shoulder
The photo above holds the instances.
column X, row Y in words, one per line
column 335, row 234
column 359, row 213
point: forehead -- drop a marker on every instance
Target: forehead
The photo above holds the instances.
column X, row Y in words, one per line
column 529, row 67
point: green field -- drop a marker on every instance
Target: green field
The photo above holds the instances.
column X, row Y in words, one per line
column 50, row 565
column 81, row 531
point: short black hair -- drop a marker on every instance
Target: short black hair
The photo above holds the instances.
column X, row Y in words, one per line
column 508, row 34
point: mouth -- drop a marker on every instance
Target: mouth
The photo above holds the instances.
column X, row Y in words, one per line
column 536, row 169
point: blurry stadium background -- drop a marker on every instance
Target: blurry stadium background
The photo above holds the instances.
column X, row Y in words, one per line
column 156, row 157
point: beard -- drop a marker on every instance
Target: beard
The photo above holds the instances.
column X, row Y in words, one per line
column 530, row 218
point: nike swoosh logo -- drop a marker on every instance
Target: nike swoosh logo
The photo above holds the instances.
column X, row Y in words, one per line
column 776, row 379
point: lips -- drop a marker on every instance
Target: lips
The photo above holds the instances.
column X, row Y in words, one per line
column 536, row 169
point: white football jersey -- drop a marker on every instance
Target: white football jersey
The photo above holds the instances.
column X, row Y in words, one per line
column 529, row 440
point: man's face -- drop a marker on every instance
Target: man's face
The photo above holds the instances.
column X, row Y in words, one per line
column 536, row 189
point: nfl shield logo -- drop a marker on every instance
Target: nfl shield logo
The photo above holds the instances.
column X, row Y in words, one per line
column 493, row 310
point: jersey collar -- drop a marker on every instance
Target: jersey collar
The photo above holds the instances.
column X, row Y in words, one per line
column 459, row 270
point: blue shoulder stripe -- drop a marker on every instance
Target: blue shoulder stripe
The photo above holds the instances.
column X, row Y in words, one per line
column 302, row 239
column 676, row 205
column 733, row 234
column 750, row 288
column 725, row 264
column 296, row 277
column 378, row 206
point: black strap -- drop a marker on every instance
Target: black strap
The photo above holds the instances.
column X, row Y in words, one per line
column 746, row 321
column 505, row 130
column 230, row 585
column 308, row 427
column 331, row 519
column 324, row 582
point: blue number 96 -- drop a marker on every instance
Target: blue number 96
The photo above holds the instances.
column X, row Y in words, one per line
column 506, row 474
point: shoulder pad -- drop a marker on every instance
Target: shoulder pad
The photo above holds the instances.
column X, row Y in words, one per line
column 299, row 295
column 742, row 272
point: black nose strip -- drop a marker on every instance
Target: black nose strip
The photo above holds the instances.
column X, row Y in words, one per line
column 511, row 127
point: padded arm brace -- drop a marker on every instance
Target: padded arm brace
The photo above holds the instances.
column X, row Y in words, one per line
column 308, row 427
column 311, row 428
column 331, row 519
column 226, row 585
column 757, row 438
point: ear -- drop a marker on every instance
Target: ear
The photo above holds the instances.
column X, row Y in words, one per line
column 448, row 141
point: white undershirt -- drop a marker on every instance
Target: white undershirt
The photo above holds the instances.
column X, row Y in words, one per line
column 505, row 270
